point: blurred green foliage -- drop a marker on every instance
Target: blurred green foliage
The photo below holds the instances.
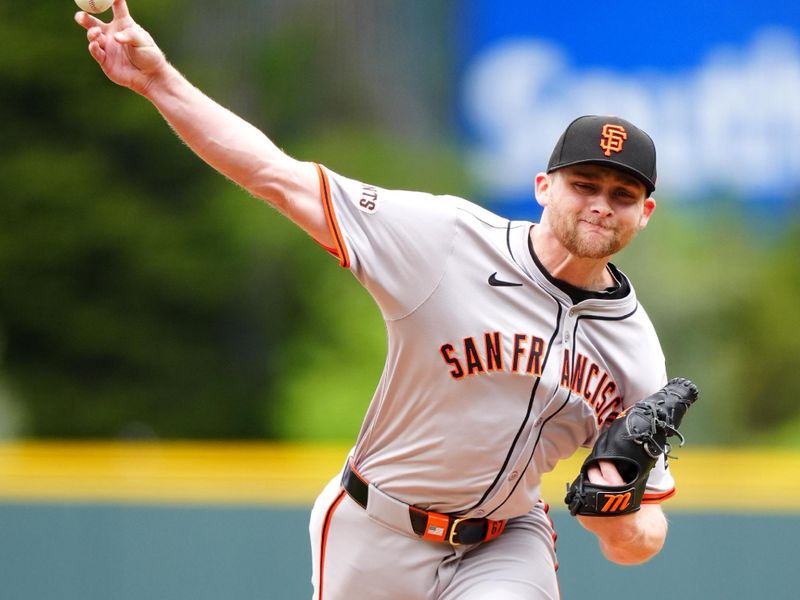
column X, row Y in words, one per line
column 721, row 290
column 143, row 295
column 135, row 298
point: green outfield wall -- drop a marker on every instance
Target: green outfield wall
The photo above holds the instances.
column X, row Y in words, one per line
column 198, row 534
column 118, row 552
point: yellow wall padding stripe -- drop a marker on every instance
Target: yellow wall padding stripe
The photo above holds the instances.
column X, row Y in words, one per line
column 267, row 473
column 172, row 472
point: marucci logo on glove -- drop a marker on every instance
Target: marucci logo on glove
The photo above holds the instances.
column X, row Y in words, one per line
column 612, row 503
column 633, row 442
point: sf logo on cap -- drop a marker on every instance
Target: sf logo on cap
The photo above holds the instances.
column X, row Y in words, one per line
column 613, row 138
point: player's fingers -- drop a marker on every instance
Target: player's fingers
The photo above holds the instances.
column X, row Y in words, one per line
column 604, row 472
column 610, row 473
column 87, row 21
column 594, row 474
column 133, row 36
column 94, row 34
column 97, row 52
column 120, row 8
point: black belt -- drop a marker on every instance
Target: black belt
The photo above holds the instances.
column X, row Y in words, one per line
column 427, row 524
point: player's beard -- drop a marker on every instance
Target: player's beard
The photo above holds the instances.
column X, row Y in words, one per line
column 583, row 243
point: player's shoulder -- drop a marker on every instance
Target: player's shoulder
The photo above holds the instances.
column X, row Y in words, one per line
column 640, row 315
column 477, row 215
column 371, row 197
column 640, row 359
column 477, row 226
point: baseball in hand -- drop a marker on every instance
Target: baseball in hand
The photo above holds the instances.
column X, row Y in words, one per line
column 94, row 6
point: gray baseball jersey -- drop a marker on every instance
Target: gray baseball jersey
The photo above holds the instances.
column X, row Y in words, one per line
column 495, row 371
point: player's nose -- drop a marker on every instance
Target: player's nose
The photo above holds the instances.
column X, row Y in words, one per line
column 601, row 204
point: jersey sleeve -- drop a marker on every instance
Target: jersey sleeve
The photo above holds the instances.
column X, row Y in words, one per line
column 396, row 243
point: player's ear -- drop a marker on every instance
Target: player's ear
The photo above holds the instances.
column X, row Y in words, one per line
column 647, row 211
column 542, row 185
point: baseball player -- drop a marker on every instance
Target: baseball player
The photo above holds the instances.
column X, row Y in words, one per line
column 511, row 344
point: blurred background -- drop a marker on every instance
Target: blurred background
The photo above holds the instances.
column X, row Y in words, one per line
column 177, row 373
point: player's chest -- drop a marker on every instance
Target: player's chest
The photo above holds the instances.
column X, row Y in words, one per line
column 520, row 335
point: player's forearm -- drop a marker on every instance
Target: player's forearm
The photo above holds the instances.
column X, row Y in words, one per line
column 228, row 143
column 630, row 539
column 240, row 151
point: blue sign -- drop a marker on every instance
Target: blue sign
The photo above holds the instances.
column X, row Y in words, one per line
column 716, row 84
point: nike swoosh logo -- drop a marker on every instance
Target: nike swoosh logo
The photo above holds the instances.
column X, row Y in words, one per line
column 495, row 282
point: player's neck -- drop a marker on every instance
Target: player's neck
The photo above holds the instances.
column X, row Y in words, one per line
column 585, row 273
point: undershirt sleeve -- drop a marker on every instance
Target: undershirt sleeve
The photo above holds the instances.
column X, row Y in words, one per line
column 660, row 483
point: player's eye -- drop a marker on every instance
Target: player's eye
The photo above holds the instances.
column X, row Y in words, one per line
column 626, row 195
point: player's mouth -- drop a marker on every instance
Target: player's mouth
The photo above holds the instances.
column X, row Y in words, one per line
column 596, row 226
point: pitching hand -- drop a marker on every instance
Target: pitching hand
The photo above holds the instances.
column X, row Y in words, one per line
column 126, row 52
column 605, row 472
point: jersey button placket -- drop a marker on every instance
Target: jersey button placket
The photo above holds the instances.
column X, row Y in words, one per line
column 569, row 322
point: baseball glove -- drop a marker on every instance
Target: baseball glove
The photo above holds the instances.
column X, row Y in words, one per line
column 633, row 442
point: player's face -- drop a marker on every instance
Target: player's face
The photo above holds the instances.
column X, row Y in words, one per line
column 593, row 211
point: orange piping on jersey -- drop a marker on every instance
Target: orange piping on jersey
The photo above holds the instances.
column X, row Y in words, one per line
column 325, row 527
column 339, row 250
column 554, row 535
column 330, row 250
column 357, row 474
column 656, row 498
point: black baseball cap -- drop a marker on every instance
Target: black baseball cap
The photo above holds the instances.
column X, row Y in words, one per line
column 607, row 141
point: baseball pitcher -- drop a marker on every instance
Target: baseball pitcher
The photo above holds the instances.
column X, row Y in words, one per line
column 510, row 345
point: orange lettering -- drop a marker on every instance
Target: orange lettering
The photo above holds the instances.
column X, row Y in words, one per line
column 565, row 370
column 593, row 371
column 494, row 351
column 578, row 372
column 613, row 138
column 535, row 359
column 616, row 502
column 519, row 350
column 474, row 364
column 447, row 350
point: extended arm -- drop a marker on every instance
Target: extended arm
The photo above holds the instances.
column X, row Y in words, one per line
column 129, row 57
column 631, row 538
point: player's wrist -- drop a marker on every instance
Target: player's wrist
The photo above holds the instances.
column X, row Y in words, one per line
column 618, row 529
column 162, row 83
column 632, row 538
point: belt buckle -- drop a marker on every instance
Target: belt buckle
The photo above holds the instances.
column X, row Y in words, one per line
column 450, row 539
